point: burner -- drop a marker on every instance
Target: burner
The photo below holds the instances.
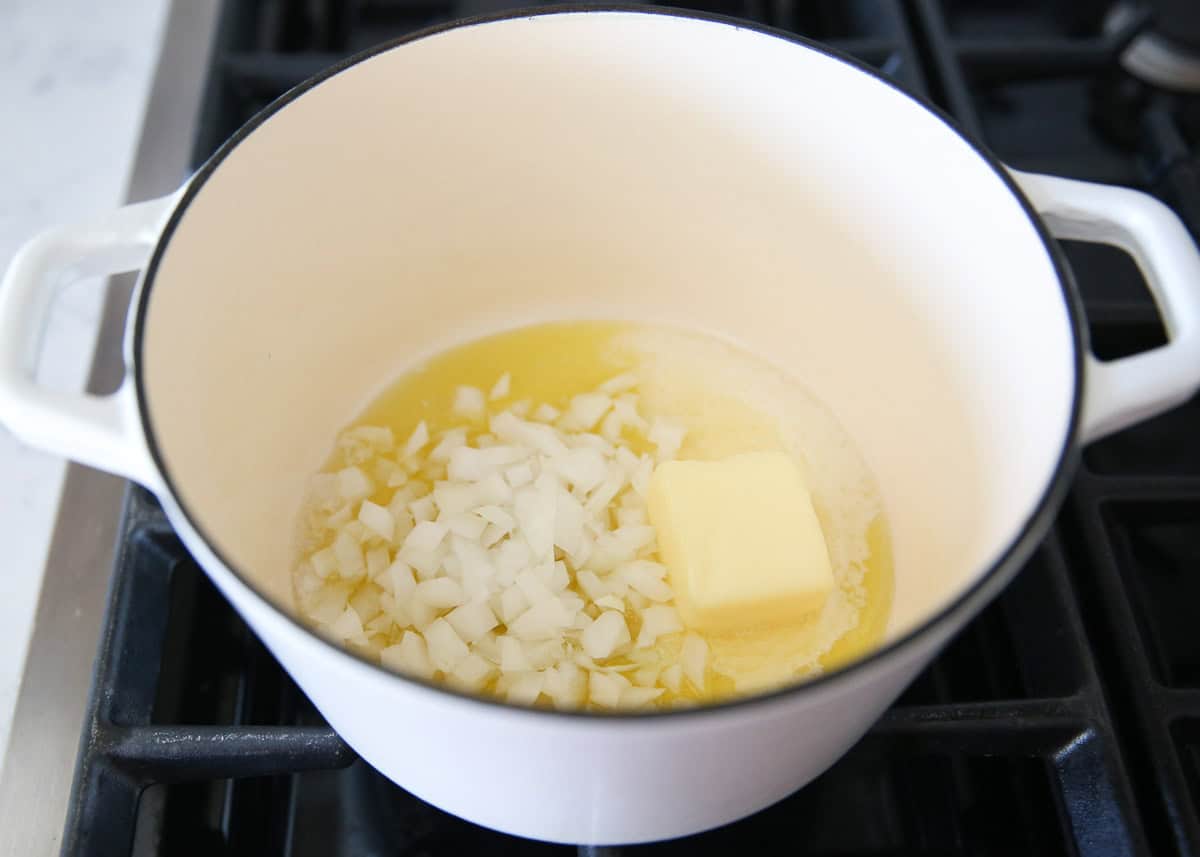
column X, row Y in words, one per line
column 1168, row 53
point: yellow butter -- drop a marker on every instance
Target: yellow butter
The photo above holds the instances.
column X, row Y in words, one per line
column 741, row 541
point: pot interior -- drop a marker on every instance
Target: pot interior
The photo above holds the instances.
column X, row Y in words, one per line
column 612, row 165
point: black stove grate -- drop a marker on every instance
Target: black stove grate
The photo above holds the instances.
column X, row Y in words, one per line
column 1064, row 721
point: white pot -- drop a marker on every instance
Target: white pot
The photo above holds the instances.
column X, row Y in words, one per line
column 648, row 165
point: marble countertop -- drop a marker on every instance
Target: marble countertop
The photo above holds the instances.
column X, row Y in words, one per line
column 74, row 80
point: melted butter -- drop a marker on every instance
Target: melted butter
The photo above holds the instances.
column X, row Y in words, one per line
column 550, row 363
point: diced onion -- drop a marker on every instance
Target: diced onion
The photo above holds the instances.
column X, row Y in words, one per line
column 605, row 689
column 502, row 387
column 605, row 635
column 324, row 562
column 377, row 519
column 512, row 559
column 353, row 485
column 656, row 622
column 446, row 649
column 426, row 536
column 694, row 658
column 471, row 672
column 441, row 592
column 471, row 621
column 525, row 688
column 347, row 626
column 469, row 402
column 416, row 441
column 409, row 656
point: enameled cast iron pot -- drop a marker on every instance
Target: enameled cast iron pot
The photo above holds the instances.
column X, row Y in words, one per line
column 640, row 164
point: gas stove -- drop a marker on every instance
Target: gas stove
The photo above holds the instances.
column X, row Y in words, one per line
column 1064, row 720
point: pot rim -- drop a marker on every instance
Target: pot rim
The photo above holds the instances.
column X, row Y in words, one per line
column 988, row 584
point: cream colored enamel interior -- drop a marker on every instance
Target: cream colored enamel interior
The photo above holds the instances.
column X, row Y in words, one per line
column 614, row 165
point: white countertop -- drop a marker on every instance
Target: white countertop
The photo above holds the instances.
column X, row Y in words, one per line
column 74, row 79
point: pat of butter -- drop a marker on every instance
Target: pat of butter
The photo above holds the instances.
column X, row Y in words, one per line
column 741, row 542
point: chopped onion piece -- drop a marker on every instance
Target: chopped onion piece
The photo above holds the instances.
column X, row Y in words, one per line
column 491, row 535
column 498, row 516
column 471, row 621
column 381, row 624
column 694, row 658
column 620, row 546
column 426, row 536
column 604, row 493
column 667, row 437
column 469, row 402
column 377, row 562
column 604, row 689
column 566, row 685
column 420, row 614
column 416, row 441
column 445, row 647
column 511, row 428
column 648, row 578
column 410, row 656
column 518, row 476
column 347, row 626
column 585, row 411
column 466, row 526
column 656, row 622
column 544, row 620
column 619, row 384
column 454, row 498
column 534, row 586
column 512, row 656
column 646, row 676
column 610, row 602
column 525, row 688
column 582, row 468
column 422, row 509
column 546, row 413
column 510, row 558
column 502, row 387
column 353, row 485
column 426, row 564
column 672, row 678
column 535, row 513
column 512, row 604
column 493, row 490
column 558, row 578
column 605, row 635
column 545, row 653
column 471, row 672
column 349, row 553
column 323, row 492
column 488, row 647
column 396, row 477
column 324, row 562
column 400, row 580
column 468, row 464
column 451, row 440
column 377, row 519
column 440, row 592
column 365, row 602
column 593, row 587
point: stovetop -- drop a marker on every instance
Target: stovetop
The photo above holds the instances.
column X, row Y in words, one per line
column 1064, row 720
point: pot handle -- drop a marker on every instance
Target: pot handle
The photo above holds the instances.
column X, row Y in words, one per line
column 102, row 431
column 1119, row 393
